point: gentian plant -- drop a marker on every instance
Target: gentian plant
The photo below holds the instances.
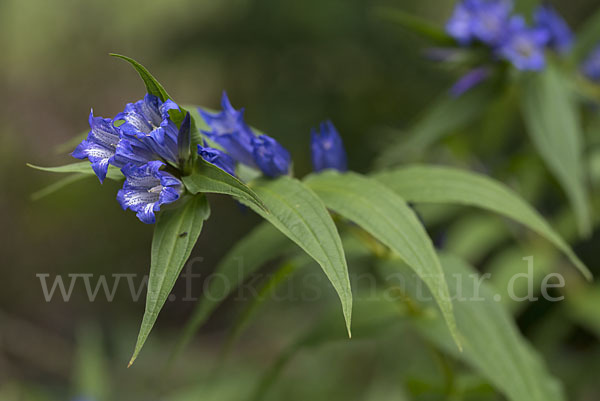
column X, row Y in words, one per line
column 169, row 157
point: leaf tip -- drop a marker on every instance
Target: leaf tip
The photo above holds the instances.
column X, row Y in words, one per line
column 131, row 361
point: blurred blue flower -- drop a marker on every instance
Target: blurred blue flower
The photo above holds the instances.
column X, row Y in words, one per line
column 228, row 129
column 561, row 37
column 218, row 158
column 147, row 125
column 481, row 20
column 327, row 148
column 272, row 158
column 524, row 46
column 591, row 66
column 100, row 146
column 469, row 80
column 146, row 188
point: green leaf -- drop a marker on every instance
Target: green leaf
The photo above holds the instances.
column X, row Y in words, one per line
column 415, row 24
column 208, row 178
column 583, row 307
column 373, row 316
column 261, row 245
column 80, row 167
column 58, row 185
column 281, row 275
column 175, row 235
column 426, row 184
column 587, row 38
column 298, row 213
column 552, row 122
column 492, row 343
column 446, row 115
column 387, row 217
column 153, row 87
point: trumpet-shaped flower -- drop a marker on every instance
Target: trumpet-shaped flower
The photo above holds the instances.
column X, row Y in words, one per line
column 146, row 188
column 327, row 148
column 146, row 124
column 228, row 129
column 560, row 35
column 272, row 158
column 524, row 46
column 481, row 20
column 100, row 146
column 218, row 158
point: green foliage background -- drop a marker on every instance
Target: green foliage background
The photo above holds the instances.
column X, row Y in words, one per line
column 291, row 64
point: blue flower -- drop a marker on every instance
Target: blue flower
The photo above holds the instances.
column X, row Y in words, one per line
column 228, row 129
column 147, row 125
column 524, row 46
column 272, row 158
column 327, row 148
column 100, row 145
column 469, row 80
column 146, row 188
column 481, row 20
column 218, row 158
column 560, row 35
column 591, row 66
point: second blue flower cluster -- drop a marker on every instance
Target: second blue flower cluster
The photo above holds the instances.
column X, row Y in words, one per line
column 490, row 22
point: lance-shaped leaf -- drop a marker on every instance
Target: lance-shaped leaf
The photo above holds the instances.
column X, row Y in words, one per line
column 492, row 344
column 298, row 213
column 387, row 217
column 80, row 167
column 427, row 184
column 152, row 85
column 155, row 88
column 208, row 178
column 57, row 185
column 552, row 122
column 175, row 234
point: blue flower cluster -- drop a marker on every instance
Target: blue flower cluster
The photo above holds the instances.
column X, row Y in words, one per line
column 491, row 24
column 229, row 130
column 140, row 140
column 151, row 151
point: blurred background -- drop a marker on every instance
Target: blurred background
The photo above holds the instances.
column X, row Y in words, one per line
column 291, row 65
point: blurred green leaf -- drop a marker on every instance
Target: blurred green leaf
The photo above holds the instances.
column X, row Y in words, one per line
column 373, row 315
column 420, row 26
column 587, row 37
column 444, row 116
column 387, row 217
column 57, row 185
column 492, row 342
column 92, row 378
column 552, row 121
column 298, row 213
column 208, row 178
column 448, row 185
column 80, row 167
column 265, row 290
column 472, row 237
column 175, row 235
column 583, row 305
column 262, row 244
